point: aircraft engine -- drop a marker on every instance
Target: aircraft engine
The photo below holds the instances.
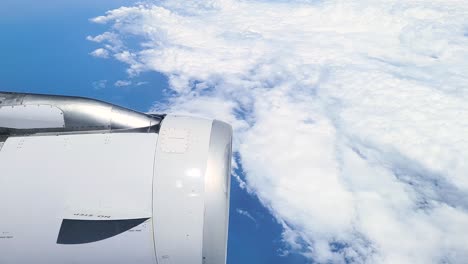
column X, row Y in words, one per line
column 85, row 181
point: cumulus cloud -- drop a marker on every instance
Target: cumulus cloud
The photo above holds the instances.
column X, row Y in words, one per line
column 100, row 53
column 350, row 117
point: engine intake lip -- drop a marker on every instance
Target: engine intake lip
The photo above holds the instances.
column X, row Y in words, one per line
column 217, row 193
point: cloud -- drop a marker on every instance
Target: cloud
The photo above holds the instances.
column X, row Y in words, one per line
column 121, row 83
column 100, row 53
column 246, row 214
column 99, row 85
column 141, row 83
column 350, row 117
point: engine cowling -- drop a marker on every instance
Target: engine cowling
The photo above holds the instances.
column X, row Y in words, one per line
column 153, row 189
column 191, row 190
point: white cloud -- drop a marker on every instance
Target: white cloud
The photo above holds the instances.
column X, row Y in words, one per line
column 110, row 40
column 100, row 53
column 98, row 85
column 141, row 83
column 246, row 214
column 351, row 117
column 121, row 83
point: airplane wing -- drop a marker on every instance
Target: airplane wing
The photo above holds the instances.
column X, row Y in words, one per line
column 83, row 181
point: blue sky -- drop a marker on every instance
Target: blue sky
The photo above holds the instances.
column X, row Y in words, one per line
column 43, row 49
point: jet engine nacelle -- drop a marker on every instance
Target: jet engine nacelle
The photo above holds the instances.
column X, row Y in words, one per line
column 87, row 182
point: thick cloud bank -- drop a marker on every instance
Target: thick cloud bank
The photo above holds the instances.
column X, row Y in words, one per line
column 351, row 117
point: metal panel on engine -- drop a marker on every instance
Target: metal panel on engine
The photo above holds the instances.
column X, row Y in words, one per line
column 79, row 199
column 179, row 186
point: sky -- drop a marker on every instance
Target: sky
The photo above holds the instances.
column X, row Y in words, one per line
column 43, row 48
column 350, row 117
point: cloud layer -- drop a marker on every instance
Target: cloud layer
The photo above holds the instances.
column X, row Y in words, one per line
column 351, row 117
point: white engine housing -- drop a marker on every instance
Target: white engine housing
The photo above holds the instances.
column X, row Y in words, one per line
column 108, row 197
